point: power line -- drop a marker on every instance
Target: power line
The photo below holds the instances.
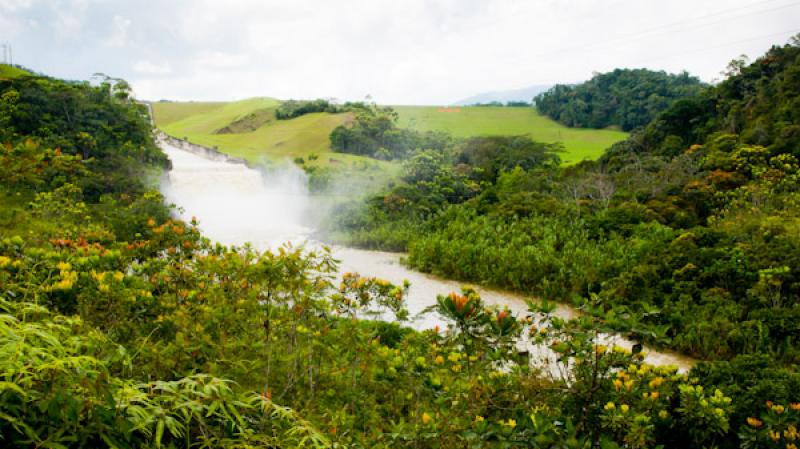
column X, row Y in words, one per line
column 672, row 27
column 701, row 50
column 685, row 23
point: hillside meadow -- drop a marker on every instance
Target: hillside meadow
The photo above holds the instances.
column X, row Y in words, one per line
column 470, row 121
column 269, row 139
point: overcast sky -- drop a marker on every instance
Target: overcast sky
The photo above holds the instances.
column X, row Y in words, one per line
column 397, row 51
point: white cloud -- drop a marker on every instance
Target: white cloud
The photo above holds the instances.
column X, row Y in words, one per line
column 10, row 6
column 146, row 67
column 410, row 51
column 215, row 60
column 119, row 31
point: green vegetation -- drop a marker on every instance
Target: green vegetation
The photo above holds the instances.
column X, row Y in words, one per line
column 473, row 121
column 625, row 98
column 249, row 129
column 290, row 109
column 168, row 112
column 374, row 133
column 686, row 235
column 9, row 72
column 121, row 327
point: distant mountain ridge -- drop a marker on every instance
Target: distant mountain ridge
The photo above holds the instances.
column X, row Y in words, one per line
column 503, row 96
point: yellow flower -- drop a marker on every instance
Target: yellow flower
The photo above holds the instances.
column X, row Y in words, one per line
column 478, row 419
column 778, row 409
column 610, row 406
column 4, row 261
column 426, row 418
column 64, row 266
column 663, row 414
column 64, row 284
column 439, row 360
column 624, row 408
column 617, row 384
column 791, row 446
column 655, row 383
column 775, row 436
column 654, row 395
column 510, row 423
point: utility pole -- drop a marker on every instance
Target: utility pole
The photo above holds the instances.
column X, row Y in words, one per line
column 7, row 55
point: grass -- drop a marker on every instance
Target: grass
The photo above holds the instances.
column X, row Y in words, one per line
column 9, row 72
column 168, row 113
column 272, row 142
column 579, row 144
column 246, row 129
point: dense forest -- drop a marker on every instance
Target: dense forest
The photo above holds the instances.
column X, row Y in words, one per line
column 627, row 98
column 686, row 235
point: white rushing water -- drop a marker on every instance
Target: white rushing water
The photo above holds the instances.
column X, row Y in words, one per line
column 236, row 204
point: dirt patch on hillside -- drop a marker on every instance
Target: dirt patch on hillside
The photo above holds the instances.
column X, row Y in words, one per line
column 249, row 122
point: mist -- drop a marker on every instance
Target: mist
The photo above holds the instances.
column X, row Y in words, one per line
column 237, row 204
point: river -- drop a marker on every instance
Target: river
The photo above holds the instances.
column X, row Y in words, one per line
column 236, row 204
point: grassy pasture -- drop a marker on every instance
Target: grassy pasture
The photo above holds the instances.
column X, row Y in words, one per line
column 470, row 121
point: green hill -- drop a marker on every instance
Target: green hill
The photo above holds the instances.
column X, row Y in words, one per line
column 10, row 72
column 247, row 128
column 469, row 121
column 266, row 138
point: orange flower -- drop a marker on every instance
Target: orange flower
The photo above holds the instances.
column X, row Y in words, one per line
column 459, row 301
column 795, row 406
column 754, row 422
column 501, row 316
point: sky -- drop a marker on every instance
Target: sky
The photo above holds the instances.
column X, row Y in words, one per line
column 395, row 51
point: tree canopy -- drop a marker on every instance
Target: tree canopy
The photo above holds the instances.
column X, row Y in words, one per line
column 627, row 98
